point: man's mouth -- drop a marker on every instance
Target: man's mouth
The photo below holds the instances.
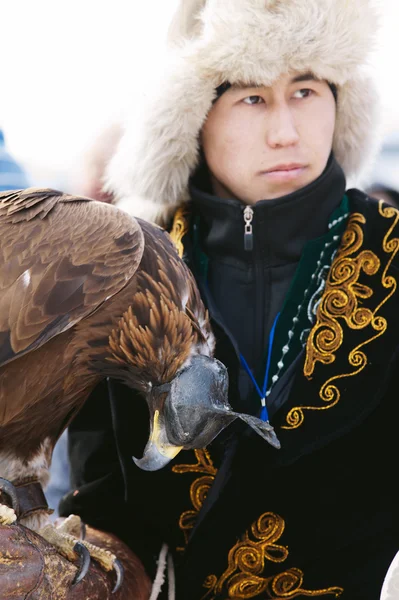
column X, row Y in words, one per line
column 285, row 172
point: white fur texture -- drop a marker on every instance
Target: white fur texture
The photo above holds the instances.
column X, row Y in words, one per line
column 243, row 41
column 16, row 470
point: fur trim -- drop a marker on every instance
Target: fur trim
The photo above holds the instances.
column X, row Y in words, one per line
column 243, row 41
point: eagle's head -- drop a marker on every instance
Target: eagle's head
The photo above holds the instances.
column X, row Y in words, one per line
column 185, row 387
column 189, row 412
column 163, row 346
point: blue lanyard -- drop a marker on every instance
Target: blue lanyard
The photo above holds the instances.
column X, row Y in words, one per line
column 264, row 415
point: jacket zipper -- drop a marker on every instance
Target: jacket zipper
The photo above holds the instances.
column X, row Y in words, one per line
column 248, row 232
column 262, row 304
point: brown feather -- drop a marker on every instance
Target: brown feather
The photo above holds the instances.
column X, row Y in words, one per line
column 60, row 264
column 86, row 292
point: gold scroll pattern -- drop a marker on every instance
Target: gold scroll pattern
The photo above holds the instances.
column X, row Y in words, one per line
column 246, row 562
column 198, row 489
column 342, row 303
column 204, row 465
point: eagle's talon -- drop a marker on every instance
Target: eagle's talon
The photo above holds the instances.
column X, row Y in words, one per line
column 9, row 489
column 65, row 538
column 84, row 560
column 118, row 567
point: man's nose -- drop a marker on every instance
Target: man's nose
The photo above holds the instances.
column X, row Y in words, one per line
column 281, row 127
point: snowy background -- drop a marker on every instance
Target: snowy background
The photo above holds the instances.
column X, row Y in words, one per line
column 69, row 68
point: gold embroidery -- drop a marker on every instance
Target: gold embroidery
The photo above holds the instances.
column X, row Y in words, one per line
column 342, row 301
column 243, row 580
column 179, row 229
column 200, row 487
column 198, row 490
column 390, row 247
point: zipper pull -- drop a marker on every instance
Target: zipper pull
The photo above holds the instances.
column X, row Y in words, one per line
column 248, row 235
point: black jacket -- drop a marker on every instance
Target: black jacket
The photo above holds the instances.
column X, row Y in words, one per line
column 317, row 518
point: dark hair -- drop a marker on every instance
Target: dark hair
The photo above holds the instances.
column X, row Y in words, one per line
column 334, row 90
column 221, row 89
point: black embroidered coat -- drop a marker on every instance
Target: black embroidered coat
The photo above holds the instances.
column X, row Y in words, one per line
column 318, row 518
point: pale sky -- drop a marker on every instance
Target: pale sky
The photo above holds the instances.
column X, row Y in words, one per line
column 70, row 67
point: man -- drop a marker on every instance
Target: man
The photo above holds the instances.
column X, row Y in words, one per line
column 244, row 155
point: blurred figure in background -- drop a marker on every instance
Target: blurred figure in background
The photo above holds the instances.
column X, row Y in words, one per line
column 12, row 175
column 59, row 483
column 384, row 192
column 90, row 183
column 384, row 181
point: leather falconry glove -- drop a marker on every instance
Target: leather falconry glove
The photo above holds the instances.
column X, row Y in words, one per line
column 32, row 568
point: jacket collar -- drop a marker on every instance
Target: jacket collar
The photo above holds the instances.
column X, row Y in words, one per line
column 281, row 227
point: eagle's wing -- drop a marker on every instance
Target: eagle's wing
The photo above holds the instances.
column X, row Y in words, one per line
column 61, row 257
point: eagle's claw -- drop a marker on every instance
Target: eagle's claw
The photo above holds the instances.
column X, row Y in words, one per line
column 84, row 560
column 8, row 489
column 65, row 538
column 82, row 530
column 119, row 575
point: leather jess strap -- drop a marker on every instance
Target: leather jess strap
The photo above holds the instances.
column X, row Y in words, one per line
column 30, row 498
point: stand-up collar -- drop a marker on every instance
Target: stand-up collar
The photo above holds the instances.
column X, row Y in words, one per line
column 281, row 227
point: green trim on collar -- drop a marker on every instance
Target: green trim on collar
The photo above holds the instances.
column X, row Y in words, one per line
column 306, row 288
column 298, row 311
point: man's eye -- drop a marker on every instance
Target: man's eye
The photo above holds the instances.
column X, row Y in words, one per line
column 304, row 93
column 253, row 100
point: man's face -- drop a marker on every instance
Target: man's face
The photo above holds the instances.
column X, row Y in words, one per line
column 265, row 142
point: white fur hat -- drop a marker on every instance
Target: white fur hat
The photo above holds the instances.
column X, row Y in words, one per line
column 244, row 41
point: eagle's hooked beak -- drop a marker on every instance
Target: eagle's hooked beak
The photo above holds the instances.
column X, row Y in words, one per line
column 191, row 411
column 158, row 451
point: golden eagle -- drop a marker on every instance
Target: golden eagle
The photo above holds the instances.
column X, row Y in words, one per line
column 89, row 292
